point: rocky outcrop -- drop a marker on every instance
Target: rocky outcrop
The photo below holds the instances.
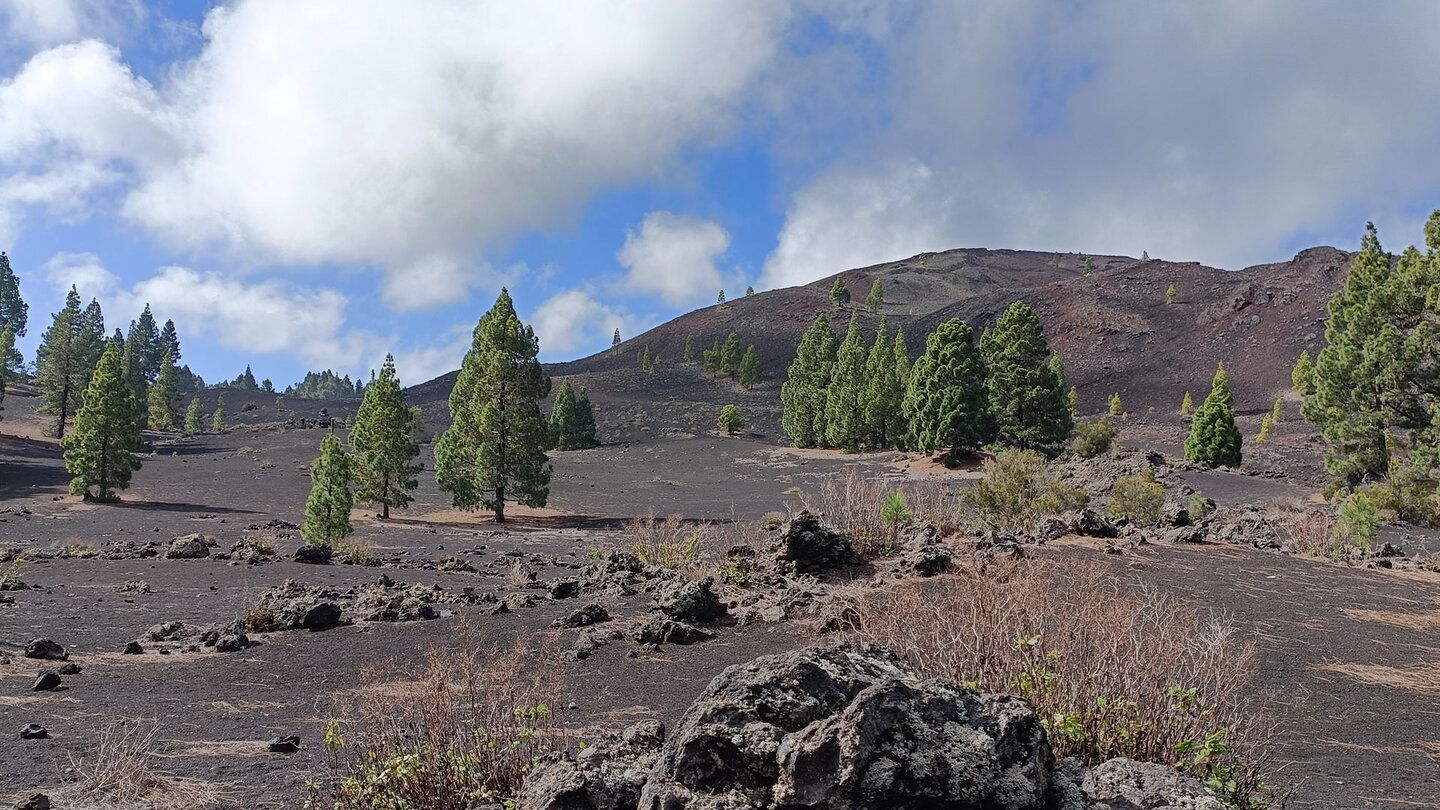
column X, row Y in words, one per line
column 189, row 547
column 806, row 547
column 846, row 727
column 689, row 601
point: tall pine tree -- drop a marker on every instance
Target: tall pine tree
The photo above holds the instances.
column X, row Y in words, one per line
column 14, row 312
column 7, row 342
column 730, row 355
column 803, row 393
column 876, row 298
column 1026, row 395
column 1214, row 440
column 164, row 398
column 99, row 452
column 170, row 342
column 495, row 446
column 194, row 418
column 562, row 415
column 133, row 371
column 92, row 341
column 327, row 510
column 60, row 365
column 880, row 401
column 384, row 443
column 947, row 404
column 584, row 430
column 844, row 421
column 149, row 336
column 749, row 372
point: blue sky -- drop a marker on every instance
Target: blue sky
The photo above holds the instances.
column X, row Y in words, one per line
column 312, row 185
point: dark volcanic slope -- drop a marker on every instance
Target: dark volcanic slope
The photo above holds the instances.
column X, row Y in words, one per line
column 1113, row 330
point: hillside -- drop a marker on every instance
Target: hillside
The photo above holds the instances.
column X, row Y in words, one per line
column 1113, row 330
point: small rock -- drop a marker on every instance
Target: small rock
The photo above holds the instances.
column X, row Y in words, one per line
column 33, row 731
column 188, row 547
column 36, row 801
column 593, row 613
column 564, row 588
column 323, row 616
column 284, row 745
column 70, row 669
column 313, row 554
column 133, row 648
column 46, row 681
column 46, row 649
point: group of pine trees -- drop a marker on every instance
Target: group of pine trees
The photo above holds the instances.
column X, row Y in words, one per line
column 726, row 358
column 572, row 419
column 958, row 395
column 1374, row 389
column 325, row 385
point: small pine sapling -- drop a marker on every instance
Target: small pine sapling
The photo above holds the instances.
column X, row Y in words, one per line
column 729, row 422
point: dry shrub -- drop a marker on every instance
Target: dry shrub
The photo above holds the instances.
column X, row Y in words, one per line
column 851, row 503
column 1304, row 529
column 114, row 773
column 668, row 542
column 1113, row 670
column 462, row 733
column 355, row 551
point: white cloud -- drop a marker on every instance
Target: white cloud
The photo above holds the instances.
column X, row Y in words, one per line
column 389, row 133
column 440, row 355
column 574, row 320
column 1219, row 132
column 675, row 255
column 264, row 317
column 47, row 22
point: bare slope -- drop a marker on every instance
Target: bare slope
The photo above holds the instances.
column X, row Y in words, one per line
column 1113, row 329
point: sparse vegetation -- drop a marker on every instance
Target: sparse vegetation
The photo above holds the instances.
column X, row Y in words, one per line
column 1138, row 498
column 1187, row 405
column 1113, row 671
column 466, row 729
column 668, row 542
column 1094, row 438
column 1170, row 295
column 1356, row 523
column 1116, row 407
column 113, row 771
column 1016, row 490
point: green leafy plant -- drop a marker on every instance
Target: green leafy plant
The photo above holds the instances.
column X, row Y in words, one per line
column 1199, row 506
column 1356, row 523
column 1138, row 498
column 1015, row 491
column 1094, row 438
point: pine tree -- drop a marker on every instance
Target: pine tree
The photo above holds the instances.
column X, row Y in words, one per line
column 897, row 429
column 646, row 363
column 169, row 342
column 1277, row 411
column 495, row 446
column 1214, row 440
column 839, row 293
column 689, row 350
column 247, row 382
column 844, row 420
column 876, row 298
column 164, row 398
column 1027, row 396
column 134, row 373
column 149, row 336
column 1116, row 408
column 804, row 391
column 99, row 452
column 562, row 416
column 217, row 420
column 1187, row 405
column 584, row 430
column 1302, row 377
column 946, row 404
column 1073, row 398
column 194, row 418
column 881, row 395
column 7, row 343
column 730, row 355
column 1089, row 267
column 720, row 300
column 92, row 342
column 1171, row 295
column 1348, row 398
column 749, row 291
column 384, row 444
column 60, row 364
column 14, row 312
column 712, row 359
column 327, row 510
column 1267, row 424
column 749, row 370
column 730, row 421
column 1144, row 255
column 615, row 341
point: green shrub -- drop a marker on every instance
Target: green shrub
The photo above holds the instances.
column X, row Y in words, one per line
column 1408, row 494
column 1199, row 506
column 730, row 421
column 1356, row 524
column 1016, row 491
column 895, row 513
column 1094, row 438
column 1116, row 409
column 1138, row 498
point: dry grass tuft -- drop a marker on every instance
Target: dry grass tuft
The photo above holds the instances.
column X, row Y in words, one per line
column 1113, row 669
column 461, row 733
column 1428, row 620
column 114, row 773
column 669, row 542
column 1422, row 678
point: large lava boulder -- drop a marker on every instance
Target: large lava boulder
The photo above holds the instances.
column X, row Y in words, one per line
column 807, row 547
column 689, row 600
column 188, row 547
column 850, row 726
